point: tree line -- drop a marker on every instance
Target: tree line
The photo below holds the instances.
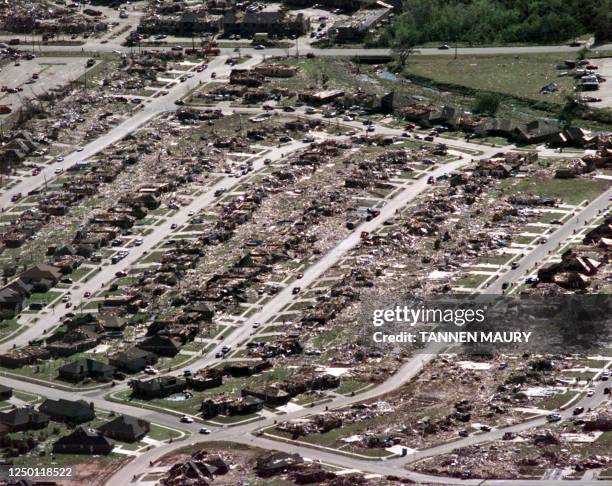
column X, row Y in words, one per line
column 481, row 22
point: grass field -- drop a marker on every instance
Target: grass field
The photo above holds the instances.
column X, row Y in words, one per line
column 521, row 76
column 569, row 191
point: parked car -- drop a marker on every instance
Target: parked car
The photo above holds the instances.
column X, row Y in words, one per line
column 150, row 370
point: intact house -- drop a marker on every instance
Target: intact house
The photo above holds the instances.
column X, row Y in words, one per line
column 14, row 296
column 84, row 441
column 159, row 387
column 161, row 345
column 85, row 368
column 125, row 428
column 41, row 274
column 24, row 418
column 68, row 411
column 41, row 277
column 133, row 360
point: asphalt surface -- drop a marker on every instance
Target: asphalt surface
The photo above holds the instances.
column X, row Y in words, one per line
column 553, row 241
column 149, row 110
column 410, row 369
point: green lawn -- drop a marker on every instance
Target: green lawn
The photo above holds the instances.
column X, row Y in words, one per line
column 517, row 75
column 556, row 401
column 158, row 432
column 7, row 327
column 471, row 281
column 45, row 298
column 568, row 191
column 192, row 405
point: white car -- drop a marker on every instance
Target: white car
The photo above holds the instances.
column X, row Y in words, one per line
column 138, row 241
column 149, row 370
column 186, row 419
column 590, row 392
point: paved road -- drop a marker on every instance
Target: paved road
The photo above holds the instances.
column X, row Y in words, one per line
column 40, row 322
column 242, row 433
column 316, row 270
column 554, row 240
column 150, row 110
column 305, row 48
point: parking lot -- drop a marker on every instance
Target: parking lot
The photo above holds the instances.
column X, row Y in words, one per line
column 52, row 72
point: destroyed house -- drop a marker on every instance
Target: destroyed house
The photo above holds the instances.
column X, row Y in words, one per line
column 272, row 395
column 496, row 127
column 67, row 411
column 83, row 441
column 271, row 19
column 86, row 368
column 321, row 97
column 21, row 419
column 28, row 355
column 535, row 132
column 75, row 341
column 230, row 406
column 111, row 218
column 491, row 168
column 205, row 379
column 247, row 368
column 361, row 22
column 133, row 360
column 272, row 463
column 309, row 379
column 571, row 272
column 602, row 231
column 159, row 387
column 286, row 345
column 125, row 428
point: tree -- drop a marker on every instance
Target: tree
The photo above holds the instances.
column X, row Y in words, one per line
column 487, row 103
column 405, row 38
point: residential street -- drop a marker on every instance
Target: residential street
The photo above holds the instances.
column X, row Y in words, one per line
column 506, row 279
